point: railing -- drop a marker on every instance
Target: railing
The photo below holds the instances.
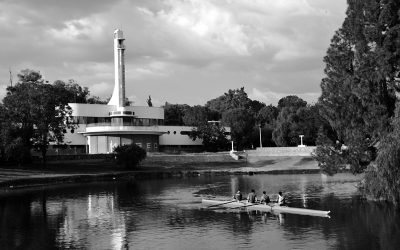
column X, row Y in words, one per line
column 98, row 129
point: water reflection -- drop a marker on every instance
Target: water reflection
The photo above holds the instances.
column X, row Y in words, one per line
column 167, row 214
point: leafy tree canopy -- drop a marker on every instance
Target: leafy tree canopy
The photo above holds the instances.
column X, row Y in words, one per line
column 267, row 115
column 213, row 136
column 291, row 101
column 359, row 93
column 173, row 114
column 234, row 98
column 35, row 113
column 195, row 116
column 241, row 122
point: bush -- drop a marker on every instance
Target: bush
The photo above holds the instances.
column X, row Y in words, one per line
column 17, row 152
column 129, row 155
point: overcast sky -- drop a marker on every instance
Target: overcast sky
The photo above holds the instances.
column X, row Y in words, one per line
column 180, row 51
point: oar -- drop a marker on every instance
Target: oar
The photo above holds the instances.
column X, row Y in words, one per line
column 222, row 203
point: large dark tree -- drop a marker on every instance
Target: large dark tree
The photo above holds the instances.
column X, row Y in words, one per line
column 291, row 101
column 296, row 118
column 358, row 92
column 36, row 114
column 267, row 115
column 241, row 122
column 234, row 98
column 72, row 92
column 195, row 116
column 213, row 136
column 173, row 114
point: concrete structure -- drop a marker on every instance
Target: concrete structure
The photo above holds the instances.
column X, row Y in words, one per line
column 103, row 127
column 284, row 151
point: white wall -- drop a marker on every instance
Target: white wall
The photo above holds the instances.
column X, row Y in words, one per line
column 176, row 138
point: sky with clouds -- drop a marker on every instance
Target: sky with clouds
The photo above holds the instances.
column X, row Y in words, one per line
column 179, row 51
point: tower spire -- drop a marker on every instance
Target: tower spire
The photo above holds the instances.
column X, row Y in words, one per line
column 118, row 96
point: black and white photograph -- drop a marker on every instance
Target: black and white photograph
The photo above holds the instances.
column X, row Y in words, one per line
column 200, row 124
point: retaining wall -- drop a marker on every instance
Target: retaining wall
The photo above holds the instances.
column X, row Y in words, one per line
column 198, row 157
column 283, row 151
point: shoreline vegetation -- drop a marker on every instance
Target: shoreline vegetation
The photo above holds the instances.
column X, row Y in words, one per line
column 155, row 166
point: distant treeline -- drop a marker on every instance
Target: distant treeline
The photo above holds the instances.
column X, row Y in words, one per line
column 280, row 125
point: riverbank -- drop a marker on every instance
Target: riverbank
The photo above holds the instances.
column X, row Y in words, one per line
column 155, row 166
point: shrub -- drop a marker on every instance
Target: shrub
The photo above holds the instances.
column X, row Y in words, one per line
column 129, row 155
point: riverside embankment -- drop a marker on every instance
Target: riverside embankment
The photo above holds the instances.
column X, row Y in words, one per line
column 159, row 166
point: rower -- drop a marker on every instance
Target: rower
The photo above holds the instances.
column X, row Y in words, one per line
column 252, row 198
column 265, row 198
column 281, row 199
column 238, row 196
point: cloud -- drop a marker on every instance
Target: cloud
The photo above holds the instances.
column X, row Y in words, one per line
column 269, row 97
column 101, row 89
column 84, row 30
column 181, row 51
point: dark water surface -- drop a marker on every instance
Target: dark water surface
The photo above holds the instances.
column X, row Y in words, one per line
column 167, row 214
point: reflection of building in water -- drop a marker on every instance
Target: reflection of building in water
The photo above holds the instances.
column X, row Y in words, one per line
column 281, row 218
column 234, row 185
column 303, row 184
column 88, row 220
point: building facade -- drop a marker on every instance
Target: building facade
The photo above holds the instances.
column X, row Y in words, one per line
column 102, row 127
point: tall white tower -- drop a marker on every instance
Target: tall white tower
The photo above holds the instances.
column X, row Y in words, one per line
column 118, row 96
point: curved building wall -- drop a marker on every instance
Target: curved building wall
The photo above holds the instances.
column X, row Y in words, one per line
column 104, row 144
column 99, row 131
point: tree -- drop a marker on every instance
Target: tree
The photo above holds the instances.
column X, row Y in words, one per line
column 329, row 153
column 295, row 118
column 237, row 98
column 36, row 113
column 149, row 103
column 359, row 92
column 129, row 155
column 96, row 100
column 4, row 126
column 195, row 116
column 234, row 98
column 255, row 106
column 173, row 114
column 72, row 92
column 213, row 136
column 267, row 115
column 291, row 101
column 242, row 122
column 382, row 177
column 217, row 105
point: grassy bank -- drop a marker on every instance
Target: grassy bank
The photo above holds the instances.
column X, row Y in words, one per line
column 160, row 166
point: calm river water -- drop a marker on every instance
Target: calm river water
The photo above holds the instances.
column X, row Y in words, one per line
column 168, row 214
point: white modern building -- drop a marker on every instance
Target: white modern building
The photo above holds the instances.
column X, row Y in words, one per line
column 101, row 127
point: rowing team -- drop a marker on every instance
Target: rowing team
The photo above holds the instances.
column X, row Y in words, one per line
column 252, row 198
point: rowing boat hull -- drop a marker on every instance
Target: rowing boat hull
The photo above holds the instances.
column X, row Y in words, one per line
column 266, row 208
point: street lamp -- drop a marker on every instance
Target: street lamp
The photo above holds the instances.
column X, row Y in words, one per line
column 301, row 141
